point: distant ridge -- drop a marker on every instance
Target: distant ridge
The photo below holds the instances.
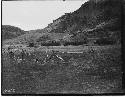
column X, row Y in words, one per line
column 10, row 32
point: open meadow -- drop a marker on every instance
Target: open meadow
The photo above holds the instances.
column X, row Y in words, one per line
column 74, row 70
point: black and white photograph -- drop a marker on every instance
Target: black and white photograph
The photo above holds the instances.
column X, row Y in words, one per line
column 62, row 47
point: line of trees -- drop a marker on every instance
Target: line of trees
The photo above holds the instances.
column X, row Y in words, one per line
column 50, row 43
column 56, row 43
column 105, row 41
column 75, row 42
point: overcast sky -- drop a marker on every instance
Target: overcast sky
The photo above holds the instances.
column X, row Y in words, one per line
column 30, row 15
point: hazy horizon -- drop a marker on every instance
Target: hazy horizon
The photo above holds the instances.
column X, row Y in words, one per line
column 31, row 15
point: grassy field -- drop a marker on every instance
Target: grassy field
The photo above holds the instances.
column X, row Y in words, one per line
column 96, row 70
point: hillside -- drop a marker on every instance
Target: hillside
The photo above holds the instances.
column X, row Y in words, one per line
column 94, row 19
column 10, row 32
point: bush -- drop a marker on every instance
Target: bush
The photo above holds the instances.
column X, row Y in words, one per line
column 105, row 41
column 50, row 43
column 73, row 43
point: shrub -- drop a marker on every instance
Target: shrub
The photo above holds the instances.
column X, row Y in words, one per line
column 105, row 41
column 50, row 43
column 73, row 43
